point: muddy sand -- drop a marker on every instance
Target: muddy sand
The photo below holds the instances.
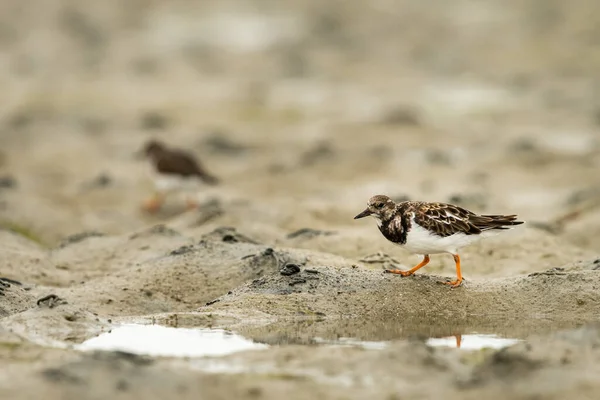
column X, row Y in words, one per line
column 303, row 110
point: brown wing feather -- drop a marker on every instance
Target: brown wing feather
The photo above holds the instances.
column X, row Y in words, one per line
column 487, row 222
column 445, row 219
column 182, row 163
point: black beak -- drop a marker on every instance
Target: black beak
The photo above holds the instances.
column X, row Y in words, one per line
column 363, row 214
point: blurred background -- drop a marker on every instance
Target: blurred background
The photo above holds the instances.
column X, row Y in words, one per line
column 304, row 109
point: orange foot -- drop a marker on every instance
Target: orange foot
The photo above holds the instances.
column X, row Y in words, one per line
column 191, row 205
column 398, row 272
column 454, row 284
column 152, row 205
column 458, row 281
column 410, row 271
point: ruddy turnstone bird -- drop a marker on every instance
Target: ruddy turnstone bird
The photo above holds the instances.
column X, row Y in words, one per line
column 432, row 228
column 173, row 170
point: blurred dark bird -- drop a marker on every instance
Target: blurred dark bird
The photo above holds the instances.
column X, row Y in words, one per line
column 432, row 228
column 174, row 170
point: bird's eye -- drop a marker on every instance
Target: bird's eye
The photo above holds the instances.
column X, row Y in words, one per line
column 379, row 205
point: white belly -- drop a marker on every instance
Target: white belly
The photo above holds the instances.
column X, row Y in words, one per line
column 175, row 183
column 420, row 241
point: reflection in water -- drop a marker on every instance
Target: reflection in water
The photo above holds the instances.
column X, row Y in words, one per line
column 466, row 342
column 159, row 340
column 352, row 342
column 394, row 328
column 472, row 342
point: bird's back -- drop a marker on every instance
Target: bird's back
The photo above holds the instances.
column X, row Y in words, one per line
column 178, row 162
column 445, row 219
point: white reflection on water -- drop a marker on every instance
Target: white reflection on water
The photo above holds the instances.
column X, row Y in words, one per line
column 465, row 342
column 156, row 340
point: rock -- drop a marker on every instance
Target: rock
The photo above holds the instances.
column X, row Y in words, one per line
column 289, row 269
column 401, row 116
column 79, row 237
column 228, row 234
column 7, row 182
column 218, row 142
column 154, row 120
column 308, row 233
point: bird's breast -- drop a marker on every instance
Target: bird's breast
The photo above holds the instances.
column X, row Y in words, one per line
column 394, row 230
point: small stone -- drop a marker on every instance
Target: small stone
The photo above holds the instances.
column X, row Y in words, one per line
column 154, row 120
column 401, row 116
column 254, row 392
column 51, row 301
column 7, row 182
column 289, row 269
column 230, row 239
column 182, row 250
column 308, row 233
column 102, row 180
column 218, row 142
column 70, row 317
column 79, row 237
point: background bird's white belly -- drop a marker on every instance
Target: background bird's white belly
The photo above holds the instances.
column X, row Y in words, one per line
column 176, row 183
column 421, row 241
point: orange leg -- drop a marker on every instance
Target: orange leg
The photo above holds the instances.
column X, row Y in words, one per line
column 412, row 270
column 154, row 203
column 459, row 278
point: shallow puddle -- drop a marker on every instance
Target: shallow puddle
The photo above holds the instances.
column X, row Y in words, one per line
column 156, row 340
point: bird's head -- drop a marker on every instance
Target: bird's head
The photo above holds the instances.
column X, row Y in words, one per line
column 380, row 207
column 153, row 148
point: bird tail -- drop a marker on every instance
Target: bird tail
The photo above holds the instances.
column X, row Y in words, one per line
column 488, row 222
